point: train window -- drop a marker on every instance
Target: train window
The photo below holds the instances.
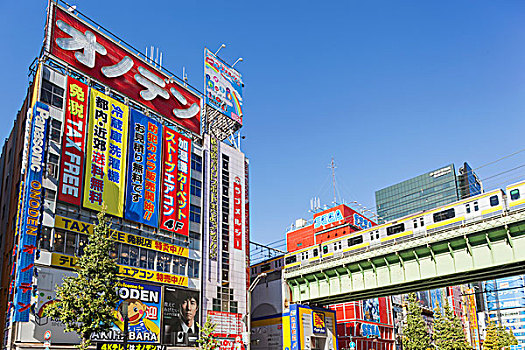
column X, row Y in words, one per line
column 266, row 267
column 290, row 259
column 494, row 200
column 316, row 252
column 515, row 194
column 444, row 215
column 467, row 207
column 415, row 223
column 377, row 234
column 335, row 246
column 421, row 222
column 476, row 208
column 325, row 249
column 304, row 255
column 355, row 240
column 372, row 236
column 392, row 230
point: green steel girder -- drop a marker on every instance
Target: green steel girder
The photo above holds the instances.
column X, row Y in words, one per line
column 458, row 255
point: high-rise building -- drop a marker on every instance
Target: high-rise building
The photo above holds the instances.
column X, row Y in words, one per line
column 426, row 191
column 103, row 126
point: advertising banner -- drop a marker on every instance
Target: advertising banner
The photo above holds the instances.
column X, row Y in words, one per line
column 237, row 214
column 73, row 143
column 223, row 87
column 105, row 157
column 143, row 185
column 214, row 197
column 180, row 317
column 371, row 310
column 70, row 262
column 229, row 325
column 247, row 220
column 85, row 48
column 134, row 346
column 31, row 212
column 510, row 293
column 144, row 314
column 122, row 237
column 176, row 183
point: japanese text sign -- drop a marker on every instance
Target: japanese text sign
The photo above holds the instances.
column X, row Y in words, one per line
column 214, row 199
column 176, row 169
column 31, row 212
column 237, row 214
column 143, row 185
column 223, row 87
column 83, row 47
column 73, row 143
column 105, row 159
column 133, row 346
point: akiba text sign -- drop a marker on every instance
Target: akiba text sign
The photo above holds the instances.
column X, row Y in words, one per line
column 73, row 143
column 85, row 48
column 31, row 212
column 133, row 346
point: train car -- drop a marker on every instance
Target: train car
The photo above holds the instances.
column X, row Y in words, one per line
column 515, row 200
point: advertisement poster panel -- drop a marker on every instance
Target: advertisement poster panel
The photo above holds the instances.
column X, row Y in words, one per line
column 371, row 310
column 83, row 47
column 214, row 197
column 106, row 153
column 31, row 212
column 73, row 143
column 510, row 293
column 143, row 185
column 223, row 87
column 180, row 317
column 144, row 313
column 237, row 214
column 176, row 183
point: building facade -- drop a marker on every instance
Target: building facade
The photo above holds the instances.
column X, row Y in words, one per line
column 426, row 191
column 104, row 127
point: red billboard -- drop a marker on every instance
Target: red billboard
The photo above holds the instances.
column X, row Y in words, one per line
column 73, row 143
column 92, row 53
column 237, row 213
column 175, row 183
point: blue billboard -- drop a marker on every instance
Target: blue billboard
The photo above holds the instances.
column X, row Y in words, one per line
column 31, row 212
column 144, row 166
column 436, row 298
column 505, row 293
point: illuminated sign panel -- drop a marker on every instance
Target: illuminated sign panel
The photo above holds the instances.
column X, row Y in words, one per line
column 223, row 87
column 237, row 214
column 106, row 154
column 31, row 213
column 94, row 54
column 73, row 143
column 214, row 197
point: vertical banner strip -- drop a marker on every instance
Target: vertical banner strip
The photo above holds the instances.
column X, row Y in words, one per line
column 31, row 216
column 73, row 143
column 144, row 162
column 214, row 199
column 106, row 150
column 237, row 214
column 176, row 183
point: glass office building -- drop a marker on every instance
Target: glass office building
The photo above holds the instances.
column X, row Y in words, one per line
column 426, row 191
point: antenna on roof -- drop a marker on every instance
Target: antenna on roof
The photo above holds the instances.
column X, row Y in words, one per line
column 332, row 166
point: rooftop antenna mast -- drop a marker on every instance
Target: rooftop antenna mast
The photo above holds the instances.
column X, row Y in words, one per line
column 332, row 166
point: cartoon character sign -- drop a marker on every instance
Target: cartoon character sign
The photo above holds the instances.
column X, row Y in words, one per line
column 371, row 309
column 143, row 309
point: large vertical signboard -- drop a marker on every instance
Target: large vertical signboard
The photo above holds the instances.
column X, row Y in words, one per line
column 223, row 87
column 31, row 212
column 237, row 214
column 143, row 185
column 180, row 317
column 214, row 197
column 176, row 169
column 106, row 152
column 85, row 48
column 144, row 313
column 73, row 143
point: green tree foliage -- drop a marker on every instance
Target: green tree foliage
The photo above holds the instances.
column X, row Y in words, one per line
column 206, row 339
column 448, row 331
column 415, row 332
column 498, row 338
column 86, row 303
column 491, row 337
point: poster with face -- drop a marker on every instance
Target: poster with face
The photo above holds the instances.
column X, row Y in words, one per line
column 371, row 309
column 142, row 303
column 180, row 317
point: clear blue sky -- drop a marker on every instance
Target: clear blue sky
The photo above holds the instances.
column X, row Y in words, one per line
column 390, row 89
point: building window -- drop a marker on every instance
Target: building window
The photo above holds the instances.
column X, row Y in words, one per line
column 163, row 262
column 193, row 268
column 233, row 307
column 124, row 254
column 196, row 162
column 216, row 304
column 195, row 187
column 133, row 256
column 45, row 238
column 52, row 94
column 56, row 127
column 195, row 214
column 195, row 241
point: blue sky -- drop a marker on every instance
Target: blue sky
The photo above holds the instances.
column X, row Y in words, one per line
column 390, row 89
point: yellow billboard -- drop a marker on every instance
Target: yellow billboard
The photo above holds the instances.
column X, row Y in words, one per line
column 106, row 154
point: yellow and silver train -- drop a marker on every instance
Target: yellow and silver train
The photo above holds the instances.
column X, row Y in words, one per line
column 465, row 211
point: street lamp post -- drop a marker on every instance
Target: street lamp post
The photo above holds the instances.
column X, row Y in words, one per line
column 124, row 313
column 249, row 308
